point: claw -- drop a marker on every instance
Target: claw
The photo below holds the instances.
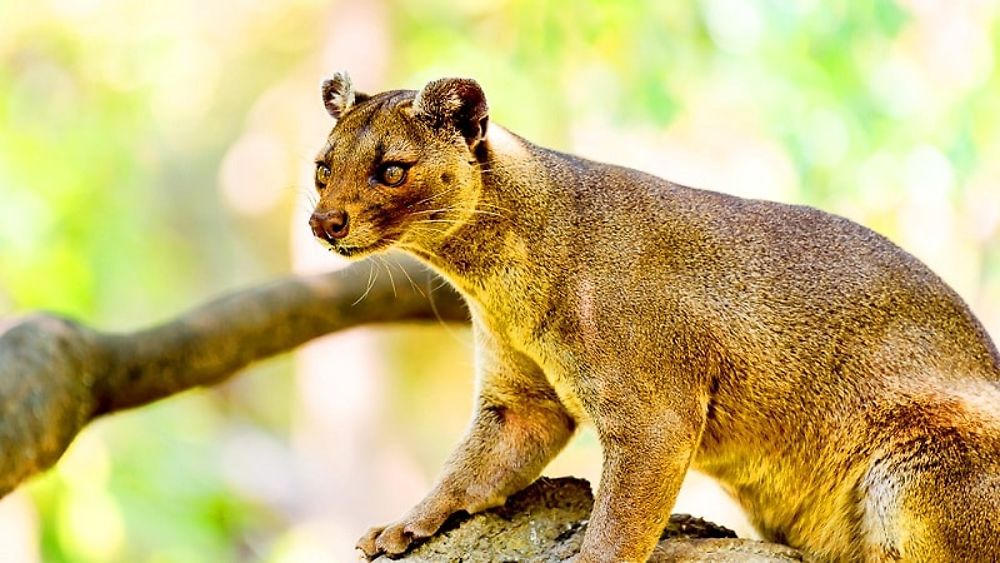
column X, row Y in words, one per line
column 395, row 539
column 367, row 542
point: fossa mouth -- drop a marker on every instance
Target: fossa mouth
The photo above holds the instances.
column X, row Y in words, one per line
column 357, row 251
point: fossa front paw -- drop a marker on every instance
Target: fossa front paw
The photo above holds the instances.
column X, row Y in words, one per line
column 396, row 538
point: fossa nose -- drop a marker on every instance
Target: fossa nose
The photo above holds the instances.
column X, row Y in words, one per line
column 330, row 225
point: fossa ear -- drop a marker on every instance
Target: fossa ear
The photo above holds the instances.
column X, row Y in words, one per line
column 339, row 95
column 455, row 102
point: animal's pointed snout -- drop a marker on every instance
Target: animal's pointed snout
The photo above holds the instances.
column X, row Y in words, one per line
column 330, row 225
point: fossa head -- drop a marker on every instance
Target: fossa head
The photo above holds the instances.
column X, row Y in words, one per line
column 399, row 167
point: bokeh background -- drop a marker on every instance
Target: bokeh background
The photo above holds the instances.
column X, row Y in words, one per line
column 155, row 154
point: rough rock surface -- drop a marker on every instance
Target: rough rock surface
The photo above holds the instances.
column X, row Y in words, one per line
column 546, row 521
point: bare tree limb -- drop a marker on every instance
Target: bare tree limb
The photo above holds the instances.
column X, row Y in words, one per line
column 57, row 375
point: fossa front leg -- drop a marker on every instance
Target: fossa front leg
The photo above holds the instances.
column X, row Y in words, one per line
column 517, row 428
column 648, row 440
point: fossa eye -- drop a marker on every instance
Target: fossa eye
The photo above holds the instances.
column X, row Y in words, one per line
column 322, row 175
column 392, row 174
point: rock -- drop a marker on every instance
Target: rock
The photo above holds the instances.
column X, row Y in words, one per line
column 545, row 523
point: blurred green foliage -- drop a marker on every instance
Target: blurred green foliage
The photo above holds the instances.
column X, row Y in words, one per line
column 114, row 118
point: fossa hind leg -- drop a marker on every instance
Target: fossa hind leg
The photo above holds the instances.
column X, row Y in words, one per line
column 936, row 501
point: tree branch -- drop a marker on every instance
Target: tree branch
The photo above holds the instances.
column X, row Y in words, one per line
column 57, row 375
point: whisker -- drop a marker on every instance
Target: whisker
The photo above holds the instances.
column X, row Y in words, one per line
column 490, row 205
column 435, row 196
column 450, row 209
column 437, row 314
column 405, row 273
column 432, row 211
column 307, row 200
column 441, row 283
column 481, row 212
column 392, row 281
column 444, row 221
column 471, row 211
column 308, row 193
column 372, row 276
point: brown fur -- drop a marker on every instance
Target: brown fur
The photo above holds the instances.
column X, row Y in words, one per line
column 838, row 389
